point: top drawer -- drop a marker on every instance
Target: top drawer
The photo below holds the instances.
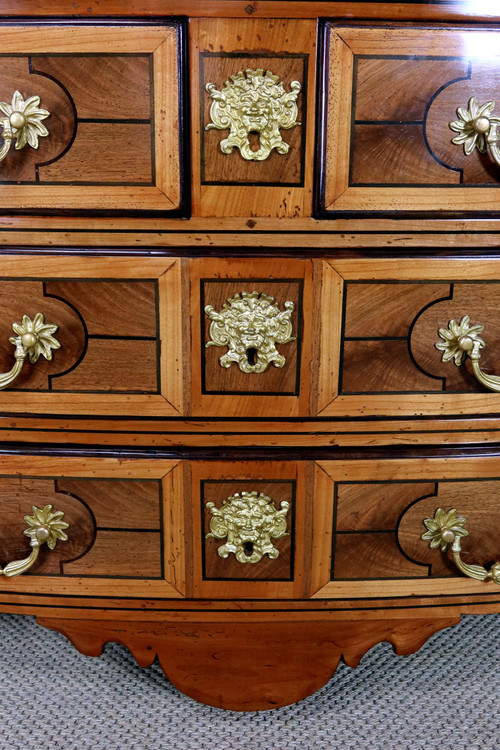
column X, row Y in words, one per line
column 391, row 96
column 113, row 139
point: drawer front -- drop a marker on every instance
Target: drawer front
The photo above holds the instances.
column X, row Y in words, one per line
column 111, row 141
column 391, row 94
column 253, row 109
column 390, row 356
column 251, row 323
column 221, row 529
column 250, row 339
column 165, row 338
column 118, row 339
column 248, row 528
column 124, row 530
column 369, row 524
column 155, row 527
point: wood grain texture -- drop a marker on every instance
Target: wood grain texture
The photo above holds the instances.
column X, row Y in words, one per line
column 226, row 578
column 477, row 501
column 135, row 122
column 277, row 664
column 130, row 548
column 120, row 528
column 411, row 364
column 233, row 169
column 118, row 334
column 20, row 73
column 306, row 235
column 393, row 141
column 276, row 42
column 272, row 392
column 441, row 10
column 279, row 381
column 324, row 433
column 380, row 526
column 353, row 570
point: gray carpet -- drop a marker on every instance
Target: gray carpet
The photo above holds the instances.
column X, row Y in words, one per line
column 446, row 696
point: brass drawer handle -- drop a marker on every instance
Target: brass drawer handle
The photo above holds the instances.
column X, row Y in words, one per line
column 478, row 128
column 461, row 340
column 22, row 122
column 447, row 528
column 34, row 338
column 45, row 525
column 248, row 520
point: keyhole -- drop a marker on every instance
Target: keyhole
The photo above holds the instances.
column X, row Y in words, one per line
column 252, row 355
column 254, row 140
column 248, row 549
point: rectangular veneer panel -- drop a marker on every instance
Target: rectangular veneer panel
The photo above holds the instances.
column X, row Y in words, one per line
column 114, row 140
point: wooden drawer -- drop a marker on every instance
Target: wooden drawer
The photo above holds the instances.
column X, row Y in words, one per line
column 391, row 94
column 115, row 123
column 141, row 526
column 245, row 338
column 125, row 533
column 323, row 526
column 369, row 522
column 253, row 105
column 119, row 326
column 382, row 359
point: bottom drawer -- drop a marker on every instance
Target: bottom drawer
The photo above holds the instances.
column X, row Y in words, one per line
column 319, row 526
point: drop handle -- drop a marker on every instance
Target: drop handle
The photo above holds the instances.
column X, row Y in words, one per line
column 44, row 526
column 22, row 123
column 445, row 530
column 34, row 338
column 462, row 340
column 477, row 127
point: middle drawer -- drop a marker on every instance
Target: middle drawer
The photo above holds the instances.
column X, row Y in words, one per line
column 249, row 338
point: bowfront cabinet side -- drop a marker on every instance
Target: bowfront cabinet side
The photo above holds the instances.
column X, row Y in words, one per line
column 250, row 340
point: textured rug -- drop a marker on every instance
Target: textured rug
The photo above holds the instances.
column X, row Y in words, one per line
column 446, row 696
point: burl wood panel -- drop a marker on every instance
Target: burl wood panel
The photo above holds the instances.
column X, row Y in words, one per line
column 105, row 88
column 274, row 380
column 107, row 535
column 216, row 567
column 103, row 346
column 391, row 94
column 228, row 185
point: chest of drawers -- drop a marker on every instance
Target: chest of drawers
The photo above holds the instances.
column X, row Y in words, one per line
column 249, row 409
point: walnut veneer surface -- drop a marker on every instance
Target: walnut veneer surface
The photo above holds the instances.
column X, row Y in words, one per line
column 363, row 232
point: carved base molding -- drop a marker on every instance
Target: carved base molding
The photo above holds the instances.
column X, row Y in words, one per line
column 248, row 666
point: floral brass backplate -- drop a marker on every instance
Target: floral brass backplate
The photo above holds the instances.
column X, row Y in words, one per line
column 248, row 520
column 253, row 102
column 250, row 325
